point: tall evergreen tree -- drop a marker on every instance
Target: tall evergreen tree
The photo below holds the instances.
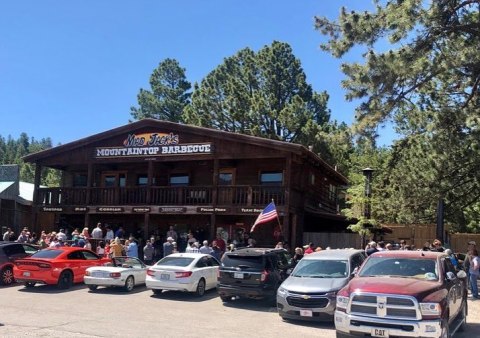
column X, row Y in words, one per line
column 428, row 85
column 263, row 94
column 168, row 96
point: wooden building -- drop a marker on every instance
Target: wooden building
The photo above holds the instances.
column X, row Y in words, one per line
column 151, row 174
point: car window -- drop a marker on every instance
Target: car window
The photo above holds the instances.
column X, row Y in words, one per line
column 75, row 255
column 402, row 267
column 175, row 261
column 28, row 249
column 357, row 260
column 213, row 262
column 89, row 255
column 244, row 262
column 47, row 254
column 128, row 262
column 318, row 268
column 13, row 249
column 202, row 263
column 283, row 260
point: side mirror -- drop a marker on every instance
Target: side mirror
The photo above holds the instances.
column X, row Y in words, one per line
column 461, row 274
column 451, row 276
column 289, row 271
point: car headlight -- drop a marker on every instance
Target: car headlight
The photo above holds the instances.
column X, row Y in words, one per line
column 342, row 302
column 282, row 291
column 430, row 309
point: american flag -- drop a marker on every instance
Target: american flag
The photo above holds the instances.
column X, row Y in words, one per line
column 268, row 214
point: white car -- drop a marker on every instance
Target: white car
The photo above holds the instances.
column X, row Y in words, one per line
column 125, row 272
column 189, row 272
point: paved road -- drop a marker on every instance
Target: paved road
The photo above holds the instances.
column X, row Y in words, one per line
column 47, row 312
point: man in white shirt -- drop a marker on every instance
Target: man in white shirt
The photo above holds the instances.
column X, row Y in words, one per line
column 109, row 235
column 61, row 235
column 97, row 233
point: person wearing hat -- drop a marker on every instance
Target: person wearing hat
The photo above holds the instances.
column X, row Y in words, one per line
column 468, row 257
column 168, row 247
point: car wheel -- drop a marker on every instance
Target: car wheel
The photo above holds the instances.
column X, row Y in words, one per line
column 65, row 280
column 226, row 299
column 6, row 276
column 129, row 284
column 93, row 287
column 200, row 288
column 29, row 284
column 445, row 329
column 463, row 316
column 157, row 292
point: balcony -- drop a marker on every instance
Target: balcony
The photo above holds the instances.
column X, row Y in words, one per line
column 194, row 195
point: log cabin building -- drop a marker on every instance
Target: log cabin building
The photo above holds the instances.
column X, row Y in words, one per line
column 148, row 175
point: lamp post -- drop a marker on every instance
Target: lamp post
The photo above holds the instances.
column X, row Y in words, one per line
column 368, row 173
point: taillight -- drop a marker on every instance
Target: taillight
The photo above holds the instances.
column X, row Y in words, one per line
column 115, row 274
column 264, row 276
column 183, row 274
column 87, row 273
column 150, row 272
column 44, row 265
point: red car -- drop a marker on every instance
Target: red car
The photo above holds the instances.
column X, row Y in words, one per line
column 58, row 266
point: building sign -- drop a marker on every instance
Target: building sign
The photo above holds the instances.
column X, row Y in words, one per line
column 52, row 209
column 110, row 209
column 141, row 209
column 250, row 210
column 172, row 210
column 80, row 209
column 153, row 144
column 211, row 210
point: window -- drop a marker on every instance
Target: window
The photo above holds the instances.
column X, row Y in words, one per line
column 90, row 255
column 271, row 178
column 225, row 179
column 179, row 180
column 79, row 180
column 142, row 180
column 332, row 192
column 76, row 255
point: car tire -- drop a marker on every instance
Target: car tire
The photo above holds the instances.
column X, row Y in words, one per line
column 65, row 280
column 129, row 284
column 226, row 299
column 92, row 287
column 6, row 276
column 157, row 292
column 463, row 316
column 29, row 284
column 200, row 288
column 445, row 329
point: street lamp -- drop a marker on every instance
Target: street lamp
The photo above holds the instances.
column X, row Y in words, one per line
column 368, row 173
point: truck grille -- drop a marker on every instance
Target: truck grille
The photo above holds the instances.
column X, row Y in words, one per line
column 384, row 306
column 310, row 302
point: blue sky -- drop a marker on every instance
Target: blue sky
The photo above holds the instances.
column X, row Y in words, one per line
column 70, row 69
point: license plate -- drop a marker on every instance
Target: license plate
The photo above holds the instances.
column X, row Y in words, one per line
column 238, row 275
column 306, row 313
column 165, row 276
column 97, row 274
column 26, row 274
column 379, row 333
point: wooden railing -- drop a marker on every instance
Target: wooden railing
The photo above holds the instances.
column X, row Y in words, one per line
column 193, row 195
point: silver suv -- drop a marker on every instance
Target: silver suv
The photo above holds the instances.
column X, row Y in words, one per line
column 309, row 293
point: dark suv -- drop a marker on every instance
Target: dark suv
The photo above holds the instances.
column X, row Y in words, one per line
column 9, row 251
column 253, row 273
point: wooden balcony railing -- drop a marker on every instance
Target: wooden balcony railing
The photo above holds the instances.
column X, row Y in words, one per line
column 193, row 195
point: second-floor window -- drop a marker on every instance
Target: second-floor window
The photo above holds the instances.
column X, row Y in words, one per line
column 271, row 178
column 80, row 180
column 179, row 180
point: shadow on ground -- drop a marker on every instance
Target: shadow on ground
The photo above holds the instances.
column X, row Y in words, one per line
column 186, row 296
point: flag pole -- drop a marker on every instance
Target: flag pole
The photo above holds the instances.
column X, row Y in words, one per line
column 278, row 218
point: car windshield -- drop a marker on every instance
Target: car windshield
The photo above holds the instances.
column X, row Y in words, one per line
column 400, row 267
column 127, row 262
column 318, row 268
column 49, row 254
column 243, row 262
column 175, row 261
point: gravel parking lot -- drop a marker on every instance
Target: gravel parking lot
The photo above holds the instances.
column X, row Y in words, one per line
column 45, row 311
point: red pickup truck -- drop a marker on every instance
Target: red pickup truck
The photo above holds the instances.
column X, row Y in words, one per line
column 403, row 294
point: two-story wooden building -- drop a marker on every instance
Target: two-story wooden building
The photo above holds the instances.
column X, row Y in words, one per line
column 150, row 174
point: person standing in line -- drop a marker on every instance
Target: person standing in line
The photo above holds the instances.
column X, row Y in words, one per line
column 116, row 248
column 205, row 249
column 172, row 233
column 97, row 233
column 474, row 272
column 148, row 252
column 132, row 248
column 109, row 235
column 101, row 249
column 168, row 247
column 7, row 235
column 466, row 263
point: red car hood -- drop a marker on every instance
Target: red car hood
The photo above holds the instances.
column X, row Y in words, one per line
column 393, row 285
